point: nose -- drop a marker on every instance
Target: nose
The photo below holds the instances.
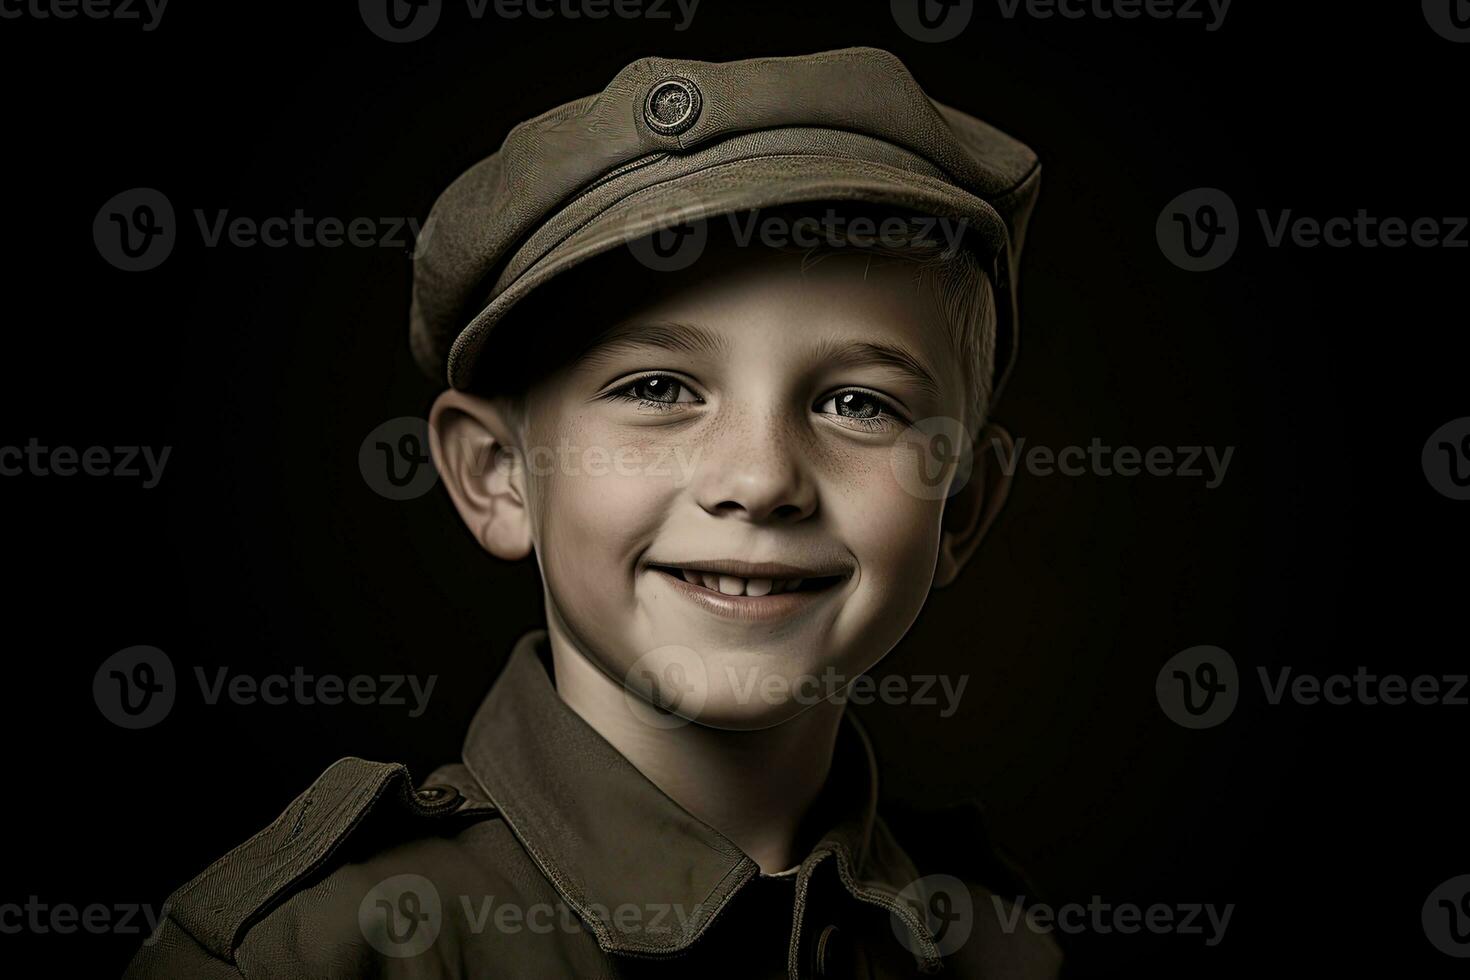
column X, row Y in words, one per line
column 756, row 469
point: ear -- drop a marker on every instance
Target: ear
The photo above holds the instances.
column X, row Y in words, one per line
column 476, row 452
column 970, row 512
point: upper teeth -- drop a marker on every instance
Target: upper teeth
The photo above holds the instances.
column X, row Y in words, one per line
column 735, row 585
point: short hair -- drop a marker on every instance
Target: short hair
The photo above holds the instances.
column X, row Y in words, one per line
column 952, row 272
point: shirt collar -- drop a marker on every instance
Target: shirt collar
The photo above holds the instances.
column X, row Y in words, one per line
column 607, row 838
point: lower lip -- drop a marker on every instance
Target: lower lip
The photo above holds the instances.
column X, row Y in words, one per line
column 747, row 608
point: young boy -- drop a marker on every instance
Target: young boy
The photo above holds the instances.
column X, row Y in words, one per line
column 721, row 342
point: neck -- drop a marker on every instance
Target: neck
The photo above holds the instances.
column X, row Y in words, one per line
column 752, row 786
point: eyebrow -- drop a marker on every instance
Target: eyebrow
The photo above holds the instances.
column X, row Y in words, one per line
column 674, row 335
column 668, row 334
column 867, row 353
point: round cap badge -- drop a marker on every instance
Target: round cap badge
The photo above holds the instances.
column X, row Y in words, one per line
column 672, row 105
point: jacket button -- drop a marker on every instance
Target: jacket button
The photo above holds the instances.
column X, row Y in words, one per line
column 672, row 105
column 438, row 797
column 832, row 959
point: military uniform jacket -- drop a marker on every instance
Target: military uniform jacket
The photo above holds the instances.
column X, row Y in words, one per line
column 546, row 854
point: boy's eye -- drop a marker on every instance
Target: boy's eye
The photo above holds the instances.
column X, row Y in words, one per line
column 656, row 390
column 862, row 407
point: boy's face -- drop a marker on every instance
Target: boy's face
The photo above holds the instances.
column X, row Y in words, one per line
column 738, row 432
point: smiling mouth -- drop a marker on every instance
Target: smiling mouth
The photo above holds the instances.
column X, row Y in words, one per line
column 750, row 581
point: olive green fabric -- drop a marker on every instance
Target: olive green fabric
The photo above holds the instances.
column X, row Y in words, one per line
column 545, row 853
column 588, row 176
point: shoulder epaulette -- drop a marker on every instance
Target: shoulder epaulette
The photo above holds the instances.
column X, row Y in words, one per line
column 221, row 903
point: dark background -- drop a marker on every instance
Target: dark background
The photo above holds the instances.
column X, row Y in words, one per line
column 263, row 548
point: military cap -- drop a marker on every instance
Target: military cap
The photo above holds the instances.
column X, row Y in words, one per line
column 670, row 142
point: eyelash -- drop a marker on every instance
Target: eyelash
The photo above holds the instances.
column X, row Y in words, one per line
column 624, row 390
column 887, row 415
column 887, row 412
